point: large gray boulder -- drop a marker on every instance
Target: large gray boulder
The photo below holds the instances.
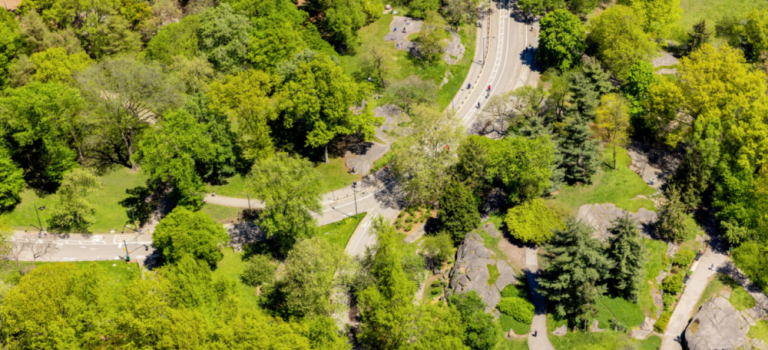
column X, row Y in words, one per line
column 717, row 325
column 471, row 271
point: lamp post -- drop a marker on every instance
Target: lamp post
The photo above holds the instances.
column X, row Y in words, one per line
column 135, row 227
column 354, row 190
column 38, row 218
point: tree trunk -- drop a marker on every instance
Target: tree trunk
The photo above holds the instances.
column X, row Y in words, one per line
column 79, row 149
column 326, row 153
column 129, row 148
column 614, row 157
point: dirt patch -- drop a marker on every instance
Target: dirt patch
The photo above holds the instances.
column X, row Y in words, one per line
column 515, row 254
column 10, row 4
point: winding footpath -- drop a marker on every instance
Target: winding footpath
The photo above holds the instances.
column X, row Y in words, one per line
column 539, row 326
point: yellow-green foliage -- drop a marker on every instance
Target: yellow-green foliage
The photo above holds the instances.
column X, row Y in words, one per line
column 533, row 221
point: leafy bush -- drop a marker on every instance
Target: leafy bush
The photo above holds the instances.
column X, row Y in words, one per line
column 683, row 258
column 661, row 323
column 673, row 284
column 518, row 308
column 750, row 258
column 533, row 221
column 259, row 270
column 668, row 299
column 512, row 291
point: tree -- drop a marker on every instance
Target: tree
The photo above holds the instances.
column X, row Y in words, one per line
column 747, row 33
column 172, row 151
column 658, row 16
column 224, row 37
column 194, row 73
column 636, row 85
column 474, row 163
column 499, row 107
column 387, row 307
column 259, row 270
column 124, row 96
column 308, row 279
column 225, row 151
column 12, row 182
column 698, row 36
column 108, row 36
column 74, row 211
column 458, row 211
column 187, row 233
column 524, row 166
column 246, row 98
column 628, row 256
column 439, row 248
column 580, row 152
column 420, row 8
column 575, row 265
column 619, row 40
column 539, row 7
column 587, row 87
column 55, row 65
column 481, row 332
column 316, row 105
column 528, row 101
column 412, row 91
column 671, row 225
column 612, row 122
column 582, row 6
column 561, row 42
column 343, row 20
column 175, row 39
column 438, row 327
column 431, row 44
column 376, row 65
column 9, row 44
column 290, row 188
column 40, row 123
column 423, row 159
column 533, row 221
column 460, row 11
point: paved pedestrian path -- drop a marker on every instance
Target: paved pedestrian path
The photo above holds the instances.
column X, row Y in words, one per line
column 539, row 325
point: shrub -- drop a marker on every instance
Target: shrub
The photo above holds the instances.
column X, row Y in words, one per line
column 750, row 258
column 673, row 284
column 409, row 220
column 408, row 227
column 668, row 299
column 259, row 270
column 533, row 221
column 661, row 323
column 511, row 291
column 518, row 308
column 684, row 258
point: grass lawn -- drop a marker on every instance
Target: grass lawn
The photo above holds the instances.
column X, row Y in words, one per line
column 628, row 313
column 605, row 340
column 652, row 343
column 221, row 213
column 231, row 267
column 693, row 229
column 759, row 331
column 517, row 344
column 110, row 215
column 656, row 251
column 508, row 322
column 608, row 186
column 339, row 233
column 404, row 65
column 722, row 283
column 741, row 299
column 712, row 11
column 333, row 176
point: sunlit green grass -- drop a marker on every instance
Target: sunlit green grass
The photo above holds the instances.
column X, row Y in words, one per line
column 339, row 233
column 759, row 331
column 508, row 322
column 713, row 11
column 656, row 252
column 608, row 186
column 221, row 213
column 110, row 215
column 231, row 267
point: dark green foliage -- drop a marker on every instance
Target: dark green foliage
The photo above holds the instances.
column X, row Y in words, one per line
column 561, row 42
column 684, row 258
column 668, row 300
column 698, row 36
column 520, row 309
column 190, row 281
column 11, row 181
column 580, row 152
column 187, row 233
column 750, row 257
column 439, row 248
column 10, row 43
column 175, row 39
column 221, row 163
column 536, row 127
column 691, row 179
column 671, row 224
column 673, row 284
column 640, row 77
column 224, row 37
column 458, row 212
column 661, row 323
column 524, row 166
column 472, row 167
column 481, row 331
column 575, row 266
column 628, row 256
column 735, row 199
column 587, row 87
column 582, row 6
column 419, row 8
column 259, row 270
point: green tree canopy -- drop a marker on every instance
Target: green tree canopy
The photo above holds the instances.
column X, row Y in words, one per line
column 618, row 39
column 628, row 256
column 524, row 166
column 671, row 225
column 290, row 189
column 175, row 39
column 612, row 122
column 580, row 152
column 55, row 65
column 458, row 212
column 533, row 221
column 224, row 36
column 12, row 182
column 481, row 331
column 73, row 211
column 574, row 267
column 659, row 16
column 561, row 42
column 187, row 233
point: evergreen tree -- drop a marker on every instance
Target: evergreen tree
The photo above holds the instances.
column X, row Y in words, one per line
column 458, row 211
column 628, row 256
column 580, row 152
column 537, row 127
column 671, row 224
column 698, row 36
column 587, row 87
column 575, row 266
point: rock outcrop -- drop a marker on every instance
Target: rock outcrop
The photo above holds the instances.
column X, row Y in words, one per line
column 717, row 325
column 471, row 271
column 601, row 217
